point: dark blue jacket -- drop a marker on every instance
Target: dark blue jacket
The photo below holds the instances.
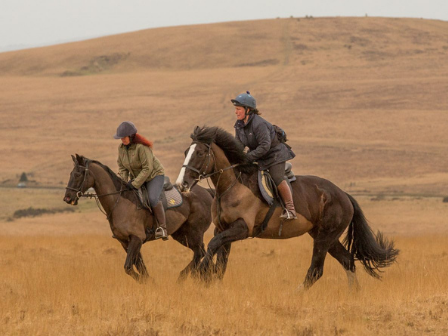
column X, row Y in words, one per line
column 264, row 147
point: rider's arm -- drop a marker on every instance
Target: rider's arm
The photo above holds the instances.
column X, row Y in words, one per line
column 122, row 171
column 146, row 158
column 263, row 137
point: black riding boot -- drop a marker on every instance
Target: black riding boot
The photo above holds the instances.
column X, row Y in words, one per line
column 286, row 195
column 159, row 213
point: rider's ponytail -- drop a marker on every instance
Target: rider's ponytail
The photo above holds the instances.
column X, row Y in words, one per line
column 140, row 139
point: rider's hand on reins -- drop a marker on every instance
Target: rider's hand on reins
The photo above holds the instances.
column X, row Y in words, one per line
column 130, row 186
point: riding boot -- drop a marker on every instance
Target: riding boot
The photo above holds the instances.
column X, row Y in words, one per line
column 286, row 195
column 159, row 213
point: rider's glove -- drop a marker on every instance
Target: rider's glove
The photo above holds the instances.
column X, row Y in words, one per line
column 130, row 186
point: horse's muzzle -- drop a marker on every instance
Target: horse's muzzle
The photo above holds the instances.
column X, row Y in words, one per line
column 184, row 187
column 69, row 200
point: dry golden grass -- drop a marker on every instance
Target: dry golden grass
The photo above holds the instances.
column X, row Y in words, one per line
column 76, row 285
column 63, row 275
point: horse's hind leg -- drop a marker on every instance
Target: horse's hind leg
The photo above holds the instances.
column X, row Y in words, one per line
column 194, row 241
column 346, row 259
column 316, row 269
column 198, row 253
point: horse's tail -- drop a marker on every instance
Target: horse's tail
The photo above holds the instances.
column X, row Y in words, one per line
column 373, row 251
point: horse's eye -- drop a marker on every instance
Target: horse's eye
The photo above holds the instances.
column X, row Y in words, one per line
column 200, row 154
column 77, row 174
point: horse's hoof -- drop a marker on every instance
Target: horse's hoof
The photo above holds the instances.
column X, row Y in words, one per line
column 146, row 280
column 300, row 289
column 205, row 276
column 181, row 279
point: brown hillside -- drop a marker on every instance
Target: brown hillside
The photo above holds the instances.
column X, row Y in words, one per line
column 324, row 43
column 363, row 100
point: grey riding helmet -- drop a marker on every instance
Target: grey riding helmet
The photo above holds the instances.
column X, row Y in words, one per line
column 245, row 100
column 125, row 129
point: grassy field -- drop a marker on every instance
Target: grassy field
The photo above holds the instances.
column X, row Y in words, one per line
column 76, row 286
column 63, row 275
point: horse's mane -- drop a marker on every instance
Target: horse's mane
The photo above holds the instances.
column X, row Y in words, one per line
column 117, row 181
column 233, row 149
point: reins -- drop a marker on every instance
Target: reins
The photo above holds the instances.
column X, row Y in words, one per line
column 203, row 175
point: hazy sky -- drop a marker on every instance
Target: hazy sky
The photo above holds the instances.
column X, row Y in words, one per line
column 41, row 22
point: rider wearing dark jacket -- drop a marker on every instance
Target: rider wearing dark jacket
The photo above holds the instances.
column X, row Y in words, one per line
column 264, row 147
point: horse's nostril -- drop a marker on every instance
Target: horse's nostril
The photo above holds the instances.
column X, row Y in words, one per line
column 185, row 184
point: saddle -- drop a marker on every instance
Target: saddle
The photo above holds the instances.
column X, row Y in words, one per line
column 171, row 197
column 268, row 189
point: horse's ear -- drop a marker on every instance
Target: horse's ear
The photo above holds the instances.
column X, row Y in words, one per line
column 80, row 159
column 73, row 158
column 195, row 131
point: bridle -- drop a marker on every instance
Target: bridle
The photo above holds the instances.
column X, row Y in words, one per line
column 80, row 193
column 203, row 175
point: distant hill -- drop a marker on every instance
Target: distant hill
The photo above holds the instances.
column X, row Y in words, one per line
column 314, row 42
column 363, row 100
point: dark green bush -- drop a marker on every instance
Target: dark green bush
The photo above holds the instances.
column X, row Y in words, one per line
column 31, row 212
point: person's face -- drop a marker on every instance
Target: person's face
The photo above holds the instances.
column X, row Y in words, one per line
column 240, row 112
column 126, row 141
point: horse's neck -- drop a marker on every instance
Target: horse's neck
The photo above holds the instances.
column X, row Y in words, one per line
column 222, row 181
column 104, row 185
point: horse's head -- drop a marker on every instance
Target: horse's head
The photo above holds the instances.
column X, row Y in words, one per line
column 80, row 180
column 199, row 163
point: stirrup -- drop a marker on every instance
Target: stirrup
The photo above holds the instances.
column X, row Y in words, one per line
column 161, row 233
column 288, row 215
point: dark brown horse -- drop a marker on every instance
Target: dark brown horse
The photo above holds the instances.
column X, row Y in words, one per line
column 131, row 225
column 323, row 211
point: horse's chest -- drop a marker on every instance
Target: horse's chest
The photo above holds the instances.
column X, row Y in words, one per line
column 238, row 205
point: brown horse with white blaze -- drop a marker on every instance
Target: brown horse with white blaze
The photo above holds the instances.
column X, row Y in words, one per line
column 133, row 225
column 324, row 211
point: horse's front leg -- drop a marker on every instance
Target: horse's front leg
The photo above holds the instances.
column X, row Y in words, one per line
column 238, row 230
column 139, row 263
column 141, row 267
column 222, row 257
column 134, row 258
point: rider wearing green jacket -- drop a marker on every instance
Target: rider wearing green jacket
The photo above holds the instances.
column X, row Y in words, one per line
column 137, row 165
